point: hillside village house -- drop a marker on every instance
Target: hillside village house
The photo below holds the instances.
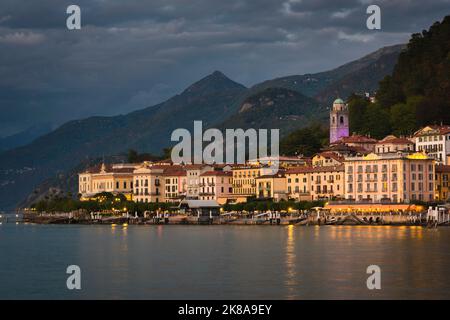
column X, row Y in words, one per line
column 393, row 144
column 435, row 141
column 390, row 177
column 327, row 159
column 360, row 142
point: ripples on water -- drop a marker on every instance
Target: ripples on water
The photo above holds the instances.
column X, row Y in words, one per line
column 224, row 262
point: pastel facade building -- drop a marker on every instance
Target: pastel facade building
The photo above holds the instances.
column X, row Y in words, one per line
column 193, row 172
column 434, row 141
column 393, row 177
column 315, row 183
column 339, row 125
column 271, row 186
column 175, row 183
column 393, row 144
column 327, row 158
column 148, row 183
column 244, row 180
column 115, row 179
column 216, row 185
column 442, row 180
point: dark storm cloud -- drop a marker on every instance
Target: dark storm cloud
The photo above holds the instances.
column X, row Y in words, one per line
column 132, row 54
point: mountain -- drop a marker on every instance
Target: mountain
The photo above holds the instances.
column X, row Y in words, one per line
column 286, row 103
column 370, row 68
column 276, row 108
column 24, row 137
column 365, row 79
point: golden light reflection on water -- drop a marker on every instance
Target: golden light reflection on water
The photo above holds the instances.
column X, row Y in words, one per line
column 291, row 274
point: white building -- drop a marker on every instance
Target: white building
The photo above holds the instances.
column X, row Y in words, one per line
column 435, row 141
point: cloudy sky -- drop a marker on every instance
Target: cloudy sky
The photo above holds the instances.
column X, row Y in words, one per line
column 130, row 54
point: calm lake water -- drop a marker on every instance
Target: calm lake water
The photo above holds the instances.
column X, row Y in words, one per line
column 223, row 262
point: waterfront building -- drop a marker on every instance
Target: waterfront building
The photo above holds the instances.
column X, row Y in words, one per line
column 149, row 183
column 193, row 172
column 315, row 183
column 442, row 179
column 115, row 179
column 216, row 185
column 339, row 125
column 271, row 186
column 244, row 180
column 435, row 141
column 394, row 177
column 362, row 143
column 327, row 158
column 393, row 144
column 175, row 183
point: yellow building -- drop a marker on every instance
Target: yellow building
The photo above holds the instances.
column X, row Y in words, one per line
column 149, row 183
column 327, row 158
column 271, row 186
column 442, row 182
column 244, row 180
column 315, row 183
column 115, row 179
column 394, row 177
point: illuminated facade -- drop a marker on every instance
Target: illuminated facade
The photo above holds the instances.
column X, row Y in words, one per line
column 315, row 183
column 442, row 182
column 399, row 177
column 115, row 179
column 339, row 126
column 435, row 141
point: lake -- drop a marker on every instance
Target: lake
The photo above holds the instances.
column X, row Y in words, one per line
column 223, row 262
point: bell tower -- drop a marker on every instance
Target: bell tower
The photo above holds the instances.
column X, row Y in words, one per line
column 338, row 121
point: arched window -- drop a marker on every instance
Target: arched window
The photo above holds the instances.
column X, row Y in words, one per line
column 341, row 120
column 334, row 120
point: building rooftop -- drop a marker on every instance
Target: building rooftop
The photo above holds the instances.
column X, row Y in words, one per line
column 394, row 140
column 432, row 130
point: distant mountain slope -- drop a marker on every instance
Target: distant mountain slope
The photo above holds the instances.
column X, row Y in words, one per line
column 362, row 80
column 276, row 108
column 24, row 137
column 311, row 84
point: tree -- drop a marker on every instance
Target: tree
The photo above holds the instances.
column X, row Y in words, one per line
column 357, row 107
column 306, row 141
column 403, row 116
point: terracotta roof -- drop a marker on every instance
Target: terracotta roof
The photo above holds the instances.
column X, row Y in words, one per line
column 108, row 169
column 356, row 139
column 174, row 171
column 315, row 169
column 332, row 155
column 444, row 129
column 394, row 140
column 216, row 173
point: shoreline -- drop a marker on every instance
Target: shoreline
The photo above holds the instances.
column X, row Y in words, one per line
column 305, row 220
